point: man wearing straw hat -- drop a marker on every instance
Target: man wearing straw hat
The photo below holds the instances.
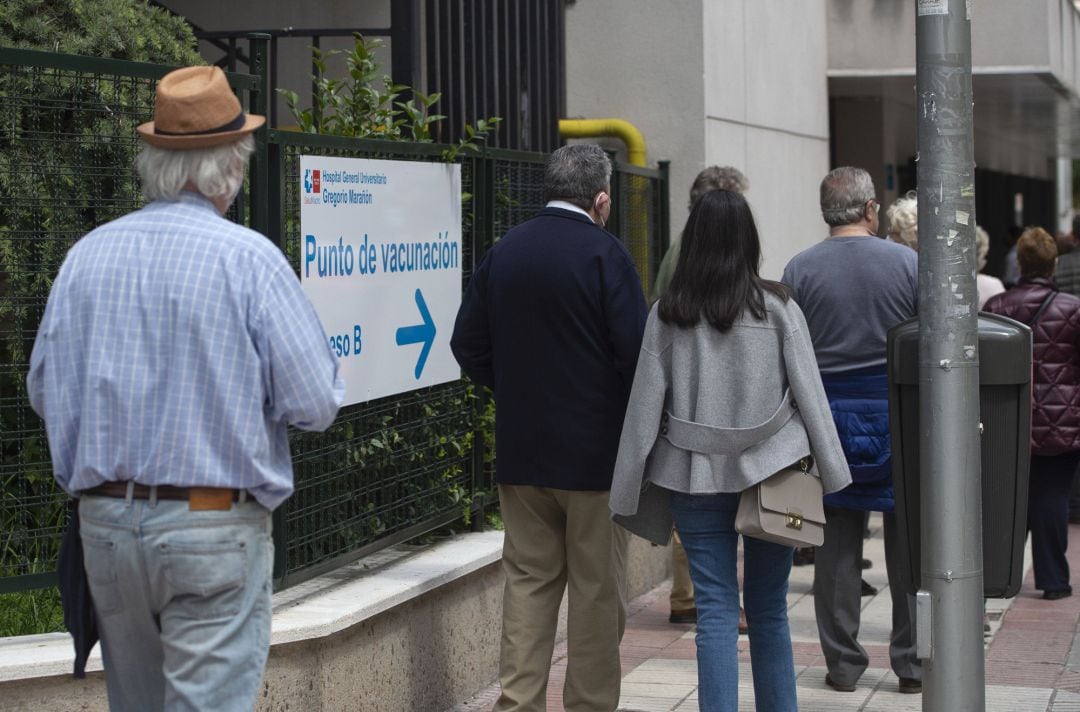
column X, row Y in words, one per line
column 175, row 349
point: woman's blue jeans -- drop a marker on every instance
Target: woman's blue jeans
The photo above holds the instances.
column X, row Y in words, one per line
column 706, row 524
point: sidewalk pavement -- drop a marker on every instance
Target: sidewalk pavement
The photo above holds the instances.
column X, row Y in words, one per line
column 1032, row 652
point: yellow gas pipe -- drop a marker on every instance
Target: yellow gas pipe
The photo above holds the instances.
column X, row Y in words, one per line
column 617, row 128
column 637, row 240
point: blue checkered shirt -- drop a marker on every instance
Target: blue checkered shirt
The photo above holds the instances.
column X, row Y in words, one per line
column 175, row 349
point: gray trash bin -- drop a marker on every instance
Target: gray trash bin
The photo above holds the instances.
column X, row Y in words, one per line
column 1005, row 412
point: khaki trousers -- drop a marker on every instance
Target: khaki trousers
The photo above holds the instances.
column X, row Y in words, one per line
column 555, row 540
column 682, row 588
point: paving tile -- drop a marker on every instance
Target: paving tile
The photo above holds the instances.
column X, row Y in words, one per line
column 688, row 706
column 1038, row 646
column 647, row 704
column 1021, row 673
column 676, row 691
column 668, row 664
column 1016, row 699
column 652, row 638
column 681, row 650
column 646, row 676
column 893, row 701
column 1064, row 701
column 1069, row 680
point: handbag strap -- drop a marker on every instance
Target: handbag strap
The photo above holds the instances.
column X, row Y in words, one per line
column 1042, row 307
column 713, row 440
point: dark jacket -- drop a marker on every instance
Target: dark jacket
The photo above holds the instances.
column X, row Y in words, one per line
column 552, row 321
column 1067, row 272
column 859, row 401
column 1055, row 414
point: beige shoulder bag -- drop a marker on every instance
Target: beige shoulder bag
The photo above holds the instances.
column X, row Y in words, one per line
column 786, row 508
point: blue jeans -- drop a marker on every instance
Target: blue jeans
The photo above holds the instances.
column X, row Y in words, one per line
column 706, row 524
column 182, row 601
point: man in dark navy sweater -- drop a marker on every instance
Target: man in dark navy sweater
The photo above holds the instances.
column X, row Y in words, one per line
column 552, row 321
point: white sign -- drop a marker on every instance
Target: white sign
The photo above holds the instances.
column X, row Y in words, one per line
column 933, row 7
column 380, row 258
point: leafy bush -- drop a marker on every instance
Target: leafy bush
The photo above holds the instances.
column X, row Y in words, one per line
column 121, row 29
column 364, row 104
column 67, row 151
column 31, row 612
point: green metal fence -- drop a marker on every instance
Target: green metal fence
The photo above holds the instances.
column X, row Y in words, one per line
column 386, row 470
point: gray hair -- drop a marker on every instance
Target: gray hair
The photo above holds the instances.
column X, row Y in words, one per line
column 576, row 173
column 718, row 178
column 903, row 217
column 844, row 194
column 216, row 171
column 982, row 247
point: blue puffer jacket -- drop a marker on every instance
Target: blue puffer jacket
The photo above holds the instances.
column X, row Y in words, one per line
column 860, row 407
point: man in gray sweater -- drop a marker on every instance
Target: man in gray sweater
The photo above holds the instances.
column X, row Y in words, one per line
column 852, row 288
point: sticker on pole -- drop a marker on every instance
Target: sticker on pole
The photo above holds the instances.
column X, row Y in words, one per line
column 933, row 7
column 380, row 259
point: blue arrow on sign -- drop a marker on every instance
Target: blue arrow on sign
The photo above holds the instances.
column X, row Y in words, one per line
column 419, row 334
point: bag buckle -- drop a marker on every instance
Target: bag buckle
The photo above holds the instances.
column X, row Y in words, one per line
column 794, row 521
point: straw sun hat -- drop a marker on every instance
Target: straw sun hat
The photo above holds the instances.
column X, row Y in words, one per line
column 195, row 108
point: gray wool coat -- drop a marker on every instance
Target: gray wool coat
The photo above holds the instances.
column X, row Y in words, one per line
column 753, row 392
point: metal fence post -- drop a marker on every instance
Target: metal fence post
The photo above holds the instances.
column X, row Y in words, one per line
column 664, row 216
column 482, row 237
column 316, row 79
column 260, row 101
column 261, row 184
column 615, row 222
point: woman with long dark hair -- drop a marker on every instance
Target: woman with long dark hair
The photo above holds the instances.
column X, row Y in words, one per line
column 727, row 357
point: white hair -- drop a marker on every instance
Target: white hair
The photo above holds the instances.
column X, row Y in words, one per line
column 982, row 247
column 903, row 217
column 216, row 172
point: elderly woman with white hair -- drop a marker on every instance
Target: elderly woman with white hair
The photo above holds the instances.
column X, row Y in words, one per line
column 987, row 285
column 903, row 217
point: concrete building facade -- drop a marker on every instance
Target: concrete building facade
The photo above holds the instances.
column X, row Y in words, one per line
column 707, row 82
column 785, row 91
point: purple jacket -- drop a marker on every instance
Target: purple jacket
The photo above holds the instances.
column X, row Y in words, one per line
column 1055, row 410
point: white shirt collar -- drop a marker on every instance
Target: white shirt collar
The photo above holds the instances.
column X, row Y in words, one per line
column 563, row 205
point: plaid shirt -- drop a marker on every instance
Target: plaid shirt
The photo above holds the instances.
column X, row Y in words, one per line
column 175, row 349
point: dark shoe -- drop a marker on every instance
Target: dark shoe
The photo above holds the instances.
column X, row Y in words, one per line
column 837, row 686
column 910, row 686
column 743, row 627
column 866, row 563
column 867, row 589
column 1058, row 594
column 687, row 616
column 803, row 556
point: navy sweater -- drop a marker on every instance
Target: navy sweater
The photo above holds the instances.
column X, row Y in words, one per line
column 552, row 321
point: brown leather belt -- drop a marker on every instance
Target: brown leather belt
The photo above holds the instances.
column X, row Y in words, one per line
column 198, row 498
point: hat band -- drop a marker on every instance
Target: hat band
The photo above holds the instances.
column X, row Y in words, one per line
column 234, row 125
